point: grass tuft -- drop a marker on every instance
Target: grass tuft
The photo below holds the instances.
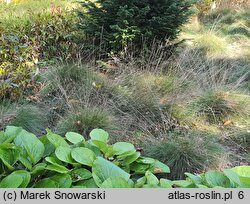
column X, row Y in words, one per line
column 211, row 43
column 30, row 117
column 240, row 30
column 86, row 119
column 187, row 152
column 217, row 106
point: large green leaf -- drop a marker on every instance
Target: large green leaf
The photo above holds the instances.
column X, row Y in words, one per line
column 123, row 148
column 38, row 168
column 89, row 183
column 62, row 180
column 244, row 173
column 54, row 161
column 74, row 138
column 80, row 174
column 194, row 178
column 46, row 183
column 9, row 157
column 59, row 169
column 104, row 147
column 140, row 182
column 83, row 155
column 49, row 147
column 159, row 167
column 216, row 178
column 56, row 165
column 10, row 134
column 90, row 145
column 139, row 167
column 184, row 183
column 56, row 140
column 64, row 154
column 151, row 179
column 164, row 183
column 115, row 182
column 11, row 181
column 99, row 134
column 131, row 158
column 233, row 176
column 25, row 176
column 146, row 160
column 23, row 159
column 33, row 146
column 103, row 169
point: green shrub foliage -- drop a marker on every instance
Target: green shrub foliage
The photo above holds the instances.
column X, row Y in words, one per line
column 52, row 161
column 25, row 45
column 18, row 56
column 117, row 23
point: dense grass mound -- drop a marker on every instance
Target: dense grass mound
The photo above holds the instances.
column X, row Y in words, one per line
column 86, row 119
column 217, row 106
column 70, row 80
column 211, row 43
column 187, row 152
column 30, row 117
column 240, row 30
column 214, row 108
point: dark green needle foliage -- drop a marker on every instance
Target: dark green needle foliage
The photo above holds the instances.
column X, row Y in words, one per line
column 117, row 23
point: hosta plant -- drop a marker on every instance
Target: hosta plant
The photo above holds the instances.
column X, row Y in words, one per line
column 53, row 161
column 72, row 161
column 237, row 177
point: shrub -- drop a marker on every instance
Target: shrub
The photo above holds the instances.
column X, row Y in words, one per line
column 114, row 24
column 24, row 45
column 53, row 161
column 54, row 35
column 18, row 56
column 186, row 152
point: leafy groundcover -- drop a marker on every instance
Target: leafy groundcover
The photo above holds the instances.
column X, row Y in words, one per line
column 53, row 161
